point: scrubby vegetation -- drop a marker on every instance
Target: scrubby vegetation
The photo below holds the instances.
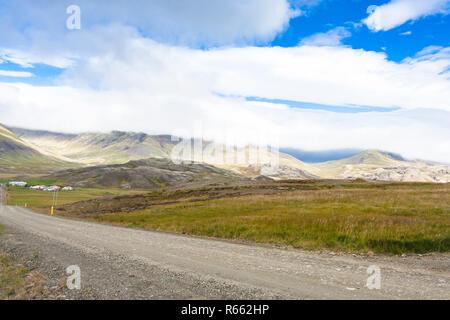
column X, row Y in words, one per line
column 16, row 279
column 351, row 216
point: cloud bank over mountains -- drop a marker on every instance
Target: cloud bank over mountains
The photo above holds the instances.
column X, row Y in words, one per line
column 120, row 75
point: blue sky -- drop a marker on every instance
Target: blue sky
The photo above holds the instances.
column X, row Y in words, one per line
column 325, row 74
column 398, row 43
column 433, row 30
column 42, row 74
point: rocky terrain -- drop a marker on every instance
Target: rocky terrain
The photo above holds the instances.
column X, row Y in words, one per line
column 382, row 166
column 286, row 172
column 147, row 173
column 412, row 173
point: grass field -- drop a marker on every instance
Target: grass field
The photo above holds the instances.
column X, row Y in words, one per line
column 389, row 218
column 36, row 198
column 349, row 216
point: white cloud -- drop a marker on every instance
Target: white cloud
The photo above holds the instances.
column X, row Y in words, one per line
column 407, row 33
column 333, row 76
column 156, row 88
column 27, row 59
column 413, row 133
column 333, row 37
column 193, row 22
column 33, row 34
column 17, row 74
column 119, row 80
column 304, row 73
column 432, row 59
column 397, row 12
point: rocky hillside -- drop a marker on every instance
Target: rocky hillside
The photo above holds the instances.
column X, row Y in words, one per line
column 120, row 147
column 98, row 148
column 409, row 173
column 383, row 166
column 17, row 156
column 147, row 173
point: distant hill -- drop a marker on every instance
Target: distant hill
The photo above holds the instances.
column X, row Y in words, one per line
column 120, row 147
column 98, row 148
column 146, row 173
column 364, row 160
column 113, row 153
column 384, row 166
column 369, row 157
column 17, row 156
column 242, row 162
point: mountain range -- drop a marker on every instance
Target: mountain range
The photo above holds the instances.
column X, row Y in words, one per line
column 16, row 155
column 98, row 148
column 102, row 158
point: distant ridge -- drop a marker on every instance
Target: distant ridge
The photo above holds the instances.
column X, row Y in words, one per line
column 147, row 173
column 118, row 148
column 384, row 166
column 18, row 156
column 370, row 157
column 99, row 148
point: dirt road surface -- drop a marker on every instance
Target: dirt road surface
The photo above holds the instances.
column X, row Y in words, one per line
column 122, row 263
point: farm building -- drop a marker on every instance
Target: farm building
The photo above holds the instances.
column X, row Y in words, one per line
column 52, row 188
column 17, row 184
column 39, row 187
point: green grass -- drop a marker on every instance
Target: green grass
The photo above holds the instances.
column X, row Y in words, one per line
column 38, row 198
column 38, row 181
column 392, row 219
column 156, row 181
column 23, row 164
column 31, row 181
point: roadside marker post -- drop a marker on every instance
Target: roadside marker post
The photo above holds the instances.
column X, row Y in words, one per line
column 54, row 201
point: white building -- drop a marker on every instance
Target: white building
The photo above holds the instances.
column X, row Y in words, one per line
column 17, row 183
column 39, row 187
column 67, row 189
column 52, row 188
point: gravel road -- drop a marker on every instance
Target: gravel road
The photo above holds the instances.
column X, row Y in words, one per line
column 122, row 263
